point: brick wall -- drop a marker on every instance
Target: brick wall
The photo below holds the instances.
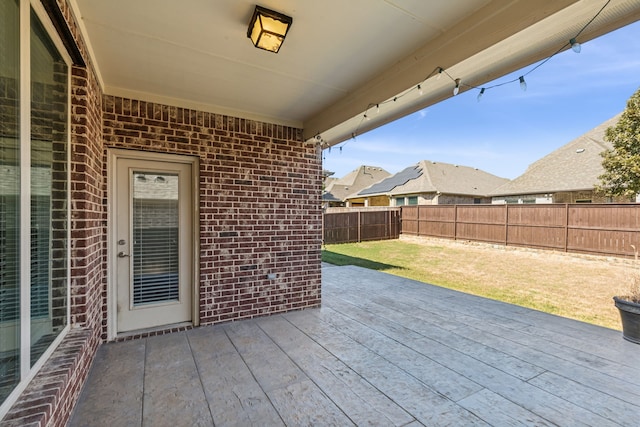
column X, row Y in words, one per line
column 88, row 209
column 260, row 208
column 260, row 213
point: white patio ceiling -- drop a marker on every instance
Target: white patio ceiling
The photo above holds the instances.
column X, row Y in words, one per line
column 339, row 57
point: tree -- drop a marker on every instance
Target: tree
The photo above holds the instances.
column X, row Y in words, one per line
column 622, row 162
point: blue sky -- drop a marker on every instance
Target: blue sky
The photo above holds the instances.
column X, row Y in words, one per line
column 508, row 129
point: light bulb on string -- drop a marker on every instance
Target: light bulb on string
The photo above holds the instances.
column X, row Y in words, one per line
column 480, row 94
column 523, row 84
column 440, row 70
column 377, row 108
column 420, row 91
column 575, row 46
column 456, row 89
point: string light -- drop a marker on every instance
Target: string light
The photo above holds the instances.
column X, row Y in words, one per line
column 523, row 84
column 575, row 46
column 439, row 71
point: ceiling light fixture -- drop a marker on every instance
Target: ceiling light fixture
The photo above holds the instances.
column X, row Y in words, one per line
column 267, row 29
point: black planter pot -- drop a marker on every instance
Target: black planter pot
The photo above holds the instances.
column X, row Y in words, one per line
column 630, row 316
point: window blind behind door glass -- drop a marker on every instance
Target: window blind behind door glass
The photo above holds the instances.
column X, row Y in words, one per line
column 155, row 238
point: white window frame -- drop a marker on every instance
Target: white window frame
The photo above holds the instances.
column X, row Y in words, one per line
column 27, row 372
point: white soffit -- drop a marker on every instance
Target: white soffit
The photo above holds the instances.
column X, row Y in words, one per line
column 338, row 56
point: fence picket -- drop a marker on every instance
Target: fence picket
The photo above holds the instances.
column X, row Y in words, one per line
column 603, row 229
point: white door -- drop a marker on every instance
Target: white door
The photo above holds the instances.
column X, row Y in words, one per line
column 153, row 234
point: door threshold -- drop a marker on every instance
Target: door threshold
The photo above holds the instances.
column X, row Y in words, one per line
column 156, row 330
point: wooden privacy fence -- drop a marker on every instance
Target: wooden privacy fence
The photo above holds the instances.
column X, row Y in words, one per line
column 604, row 229
column 360, row 226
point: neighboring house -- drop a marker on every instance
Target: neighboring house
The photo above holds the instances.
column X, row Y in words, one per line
column 337, row 191
column 431, row 183
column 567, row 175
column 327, row 178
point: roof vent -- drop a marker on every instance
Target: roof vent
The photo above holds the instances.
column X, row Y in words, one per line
column 580, row 150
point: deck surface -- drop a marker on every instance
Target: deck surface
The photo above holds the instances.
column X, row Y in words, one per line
column 382, row 350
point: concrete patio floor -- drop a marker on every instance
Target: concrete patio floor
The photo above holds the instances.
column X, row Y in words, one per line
column 383, row 350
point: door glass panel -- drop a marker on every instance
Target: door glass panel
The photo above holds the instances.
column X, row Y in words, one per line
column 48, row 190
column 155, row 238
column 9, row 197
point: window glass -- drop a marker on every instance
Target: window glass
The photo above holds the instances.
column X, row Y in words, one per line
column 399, row 201
column 155, row 233
column 412, row 200
column 9, row 197
column 48, row 190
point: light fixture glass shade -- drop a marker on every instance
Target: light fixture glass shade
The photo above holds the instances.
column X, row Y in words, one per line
column 267, row 29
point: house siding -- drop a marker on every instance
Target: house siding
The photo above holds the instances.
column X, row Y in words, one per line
column 448, row 199
column 260, row 213
column 578, row 196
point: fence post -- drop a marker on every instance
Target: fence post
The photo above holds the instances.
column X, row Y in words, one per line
column 386, row 225
column 455, row 222
column 566, row 227
column 359, row 226
column 506, row 224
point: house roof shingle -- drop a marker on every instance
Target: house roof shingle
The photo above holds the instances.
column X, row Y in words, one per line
column 353, row 182
column 431, row 177
column 574, row 166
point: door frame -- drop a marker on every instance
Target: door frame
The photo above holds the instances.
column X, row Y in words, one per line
column 113, row 155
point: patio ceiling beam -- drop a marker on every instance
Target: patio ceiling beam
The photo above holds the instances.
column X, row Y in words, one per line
column 490, row 25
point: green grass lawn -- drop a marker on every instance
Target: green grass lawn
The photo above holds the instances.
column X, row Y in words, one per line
column 576, row 287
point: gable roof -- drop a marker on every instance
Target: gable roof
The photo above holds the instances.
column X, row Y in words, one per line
column 572, row 167
column 434, row 177
column 354, row 181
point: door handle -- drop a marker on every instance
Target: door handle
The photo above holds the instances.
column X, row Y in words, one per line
column 122, row 254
